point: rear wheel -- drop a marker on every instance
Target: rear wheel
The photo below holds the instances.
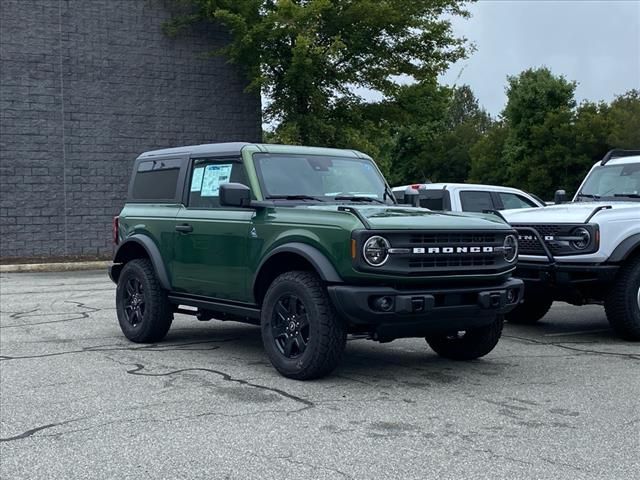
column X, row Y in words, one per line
column 302, row 335
column 144, row 311
column 533, row 307
column 468, row 344
column 623, row 302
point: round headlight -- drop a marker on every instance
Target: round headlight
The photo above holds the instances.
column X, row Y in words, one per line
column 376, row 251
column 585, row 238
column 510, row 248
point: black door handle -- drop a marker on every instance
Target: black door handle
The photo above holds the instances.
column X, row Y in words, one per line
column 184, row 228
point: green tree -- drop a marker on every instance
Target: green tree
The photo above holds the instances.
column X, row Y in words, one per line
column 306, row 56
column 440, row 126
column 539, row 147
column 624, row 116
column 486, row 157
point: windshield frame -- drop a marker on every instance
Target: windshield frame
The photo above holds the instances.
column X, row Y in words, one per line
column 583, row 195
column 385, row 197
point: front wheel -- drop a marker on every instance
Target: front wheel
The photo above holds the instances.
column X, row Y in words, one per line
column 301, row 332
column 623, row 302
column 469, row 344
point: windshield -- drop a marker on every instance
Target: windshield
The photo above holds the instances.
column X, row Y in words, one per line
column 612, row 181
column 321, row 178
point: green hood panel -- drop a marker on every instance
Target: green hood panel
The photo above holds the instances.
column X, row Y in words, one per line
column 382, row 217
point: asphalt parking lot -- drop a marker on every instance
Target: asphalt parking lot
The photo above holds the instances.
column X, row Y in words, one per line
column 559, row 400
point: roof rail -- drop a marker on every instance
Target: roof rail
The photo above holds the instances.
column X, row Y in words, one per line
column 617, row 153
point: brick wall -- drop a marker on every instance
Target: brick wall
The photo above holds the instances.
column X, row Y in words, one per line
column 85, row 86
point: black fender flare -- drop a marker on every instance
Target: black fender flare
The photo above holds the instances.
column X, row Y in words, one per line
column 626, row 247
column 315, row 257
column 152, row 252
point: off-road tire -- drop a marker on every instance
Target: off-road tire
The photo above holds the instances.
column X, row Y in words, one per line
column 533, row 308
column 474, row 343
column 327, row 334
column 621, row 303
column 157, row 315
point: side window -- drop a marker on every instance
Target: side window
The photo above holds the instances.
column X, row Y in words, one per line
column 206, row 178
column 476, row 201
column 156, row 180
column 433, row 200
column 513, row 201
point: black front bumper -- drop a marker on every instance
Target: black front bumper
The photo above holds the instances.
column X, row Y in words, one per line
column 418, row 312
column 549, row 275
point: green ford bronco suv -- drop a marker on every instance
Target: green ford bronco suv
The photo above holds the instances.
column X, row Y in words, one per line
column 310, row 244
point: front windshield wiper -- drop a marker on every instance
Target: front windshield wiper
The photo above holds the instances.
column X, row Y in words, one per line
column 356, row 198
column 630, row 195
column 293, row 197
column 588, row 195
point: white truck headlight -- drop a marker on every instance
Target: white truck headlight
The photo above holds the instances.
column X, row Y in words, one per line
column 585, row 240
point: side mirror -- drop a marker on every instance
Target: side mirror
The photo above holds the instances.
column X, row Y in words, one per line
column 235, row 195
column 412, row 197
column 560, row 196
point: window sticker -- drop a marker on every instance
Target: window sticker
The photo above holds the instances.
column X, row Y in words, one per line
column 214, row 176
column 196, row 181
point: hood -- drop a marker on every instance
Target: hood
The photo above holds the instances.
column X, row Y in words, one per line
column 577, row 212
column 382, row 217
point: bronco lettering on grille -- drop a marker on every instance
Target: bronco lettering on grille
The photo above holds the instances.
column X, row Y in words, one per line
column 547, row 238
column 454, row 250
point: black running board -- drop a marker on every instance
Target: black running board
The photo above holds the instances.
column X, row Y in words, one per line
column 226, row 310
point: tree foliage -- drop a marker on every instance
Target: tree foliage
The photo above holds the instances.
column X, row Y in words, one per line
column 545, row 141
column 306, row 56
column 440, row 126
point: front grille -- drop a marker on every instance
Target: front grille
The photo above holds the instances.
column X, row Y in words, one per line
column 531, row 246
column 442, row 252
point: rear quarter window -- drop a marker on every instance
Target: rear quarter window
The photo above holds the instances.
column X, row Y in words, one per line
column 156, row 180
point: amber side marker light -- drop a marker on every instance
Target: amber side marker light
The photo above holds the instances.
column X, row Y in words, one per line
column 353, row 248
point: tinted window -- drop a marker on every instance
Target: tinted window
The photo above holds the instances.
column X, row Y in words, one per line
column 435, row 200
column 512, row 201
column 156, row 180
column 206, row 178
column 476, row 201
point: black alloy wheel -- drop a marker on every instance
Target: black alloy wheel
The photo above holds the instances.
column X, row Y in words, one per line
column 134, row 302
column 301, row 332
column 290, row 326
column 142, row 305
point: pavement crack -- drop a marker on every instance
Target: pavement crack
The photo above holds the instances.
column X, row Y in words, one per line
column 563, row 464
column 114, row 348
column 563, row 345
column 138, row 370
column 35, row 430
column 74, row 315
column 28, row 433
column 290, row 460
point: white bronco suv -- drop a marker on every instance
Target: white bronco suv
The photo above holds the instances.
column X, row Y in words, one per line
column 588, row 250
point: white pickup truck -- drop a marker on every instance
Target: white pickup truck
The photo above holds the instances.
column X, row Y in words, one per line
column 468, row 197
column 588, row 250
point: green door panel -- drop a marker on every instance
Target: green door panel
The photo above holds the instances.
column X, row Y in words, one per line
column 212, row 259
